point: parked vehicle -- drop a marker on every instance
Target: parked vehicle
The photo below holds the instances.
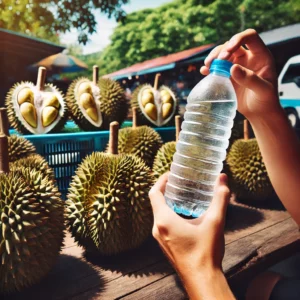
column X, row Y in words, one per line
column 289, row 89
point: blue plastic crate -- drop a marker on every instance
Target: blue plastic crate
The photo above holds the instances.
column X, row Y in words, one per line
column 65, row 151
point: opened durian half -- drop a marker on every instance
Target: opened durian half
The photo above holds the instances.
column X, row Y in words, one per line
column 155, row 106
column 31, row 220
column 36, row 109
column 108, row 208
column 94, row 104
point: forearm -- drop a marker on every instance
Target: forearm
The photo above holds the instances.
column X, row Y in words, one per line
column 207, row 285
column 280, row 149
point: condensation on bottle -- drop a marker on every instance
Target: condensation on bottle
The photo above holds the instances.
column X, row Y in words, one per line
column 203, row 140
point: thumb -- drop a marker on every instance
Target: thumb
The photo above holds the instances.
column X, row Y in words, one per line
column 218, row 206
column 248, row 79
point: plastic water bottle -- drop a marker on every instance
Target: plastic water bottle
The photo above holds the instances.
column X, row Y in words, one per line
column 203, row 140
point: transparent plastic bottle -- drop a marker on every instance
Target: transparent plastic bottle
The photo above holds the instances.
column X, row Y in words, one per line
column 203, row 140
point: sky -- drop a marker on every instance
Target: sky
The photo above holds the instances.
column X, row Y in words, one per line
column 100, row 39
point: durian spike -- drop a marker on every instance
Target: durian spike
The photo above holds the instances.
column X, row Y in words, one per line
column 4, row 164
column 178, row 126
column 3, row 121
column 113, row 138
column 156, row 81
column 95, row 74
column 246, row 130
column 134, row 117
column 41, row 78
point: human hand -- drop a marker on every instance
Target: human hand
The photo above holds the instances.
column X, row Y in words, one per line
column 192, row 245
column 253, row 73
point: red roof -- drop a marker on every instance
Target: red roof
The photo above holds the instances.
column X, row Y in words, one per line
column 160, row 61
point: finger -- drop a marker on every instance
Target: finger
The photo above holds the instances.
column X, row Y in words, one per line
column 248, row 79
column 218, row 206
column 239, row 52
column 213, row 54
column 250, row 38
column 204, row 70
column 156, row 194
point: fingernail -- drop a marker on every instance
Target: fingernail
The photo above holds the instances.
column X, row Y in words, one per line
column 224, row 55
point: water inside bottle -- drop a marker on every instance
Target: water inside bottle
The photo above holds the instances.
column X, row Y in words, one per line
column 200, row 151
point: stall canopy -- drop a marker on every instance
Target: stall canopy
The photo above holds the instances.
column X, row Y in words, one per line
column 160, row 63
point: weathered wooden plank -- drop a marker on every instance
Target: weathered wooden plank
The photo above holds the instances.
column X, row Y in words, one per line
column 242, row 220
column 162, row 290
column 256, row 249
column 115, row 289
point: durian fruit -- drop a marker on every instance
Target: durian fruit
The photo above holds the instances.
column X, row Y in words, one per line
column 155, row 106
column 246, row 170
column 142, row 141
column 36, row 109
column 37, row 162
column 31, row 223
column 108, row 209
column 19, row 147
column 164, row 157
column 94, row 104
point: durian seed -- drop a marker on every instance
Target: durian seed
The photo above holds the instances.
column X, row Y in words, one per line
column 84, row 87
column 151, row 111
column 166, row 110
column 147, row 98
column 51, row 100
column 87, row 101
column 29, row 114
column 166, row 98
column 49, row 115
column 92, row 113
column 25, row 95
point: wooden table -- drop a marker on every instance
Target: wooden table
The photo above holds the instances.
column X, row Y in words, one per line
column 255, row 239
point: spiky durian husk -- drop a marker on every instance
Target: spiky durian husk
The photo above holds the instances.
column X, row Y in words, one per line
column 31, row 227
column 114, row 105
column 141, row 119
column 35, row 162
column 19, row 147
column 13, row 118
column 108, row 209
column 247, row 172
column 163, row 159
column 142, row 141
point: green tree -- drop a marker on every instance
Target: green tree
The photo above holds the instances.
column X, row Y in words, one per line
column 184, row 24
column 48, row 18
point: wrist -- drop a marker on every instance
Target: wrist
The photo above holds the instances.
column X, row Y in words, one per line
column 267, row 118
column 206, row 283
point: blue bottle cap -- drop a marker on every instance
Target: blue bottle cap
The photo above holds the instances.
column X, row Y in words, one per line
column 221, row 66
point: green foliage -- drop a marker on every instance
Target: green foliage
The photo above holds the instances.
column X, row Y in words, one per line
column 184, row 24
column 46, row 18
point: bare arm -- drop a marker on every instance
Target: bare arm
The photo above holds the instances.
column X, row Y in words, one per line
column 194, row 247
column 255, row 81
column 280, row 149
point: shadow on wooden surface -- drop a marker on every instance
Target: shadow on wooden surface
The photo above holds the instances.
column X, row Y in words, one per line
column 63, row 281
column 139, row 259
column 240, row 217
column 272, row 203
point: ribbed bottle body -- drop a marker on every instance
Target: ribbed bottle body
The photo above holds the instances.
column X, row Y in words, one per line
column 202, row 144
